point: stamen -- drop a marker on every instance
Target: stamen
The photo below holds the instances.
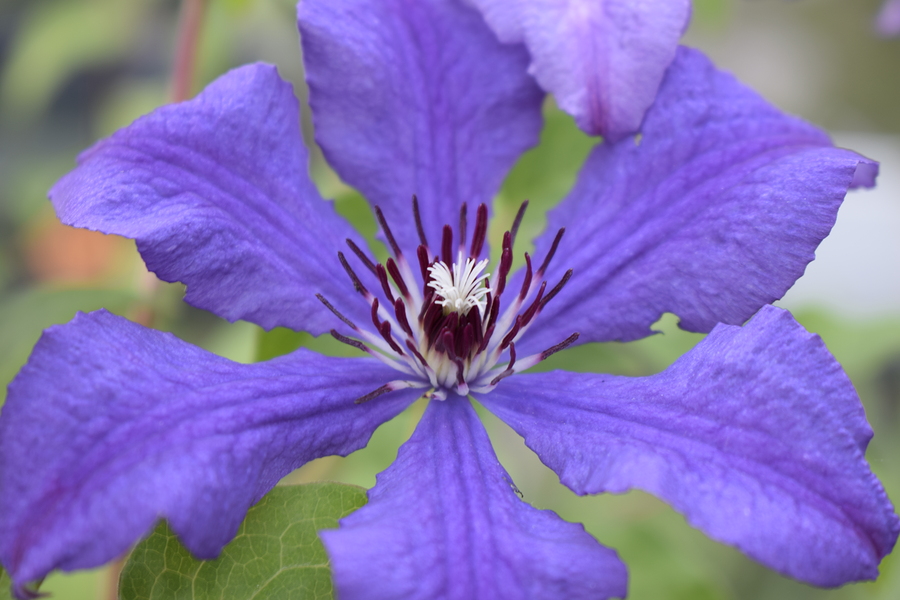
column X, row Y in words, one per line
column 357, row 284
column 424, row 263
column 550, row 254
column 447, row 245
column 480, row 233
column 556, row 289
column 350, row 341
column 361, row 255
column 560, row 346
column 397, row 277
column 516, row 222
column 387, row 232
column 463, row 224
column 374, row 394
column 337, row 313
column 400, row 313
column 526, row 283
column 385, row 285
column 418, row 218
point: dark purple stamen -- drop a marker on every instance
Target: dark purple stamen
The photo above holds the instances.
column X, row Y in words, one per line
column 556, row 289
column 350, row 341
column 418, row 218
column 357, row 284
column 387, row 232
column 509, row 337
column 385, row 331
column 560, row 346
column 550, row 254
column 374, row 394
column 516, row 222
column 509, row 368
column 416, row 353
column 337, row 313
column 361, row 255
column 463, row 224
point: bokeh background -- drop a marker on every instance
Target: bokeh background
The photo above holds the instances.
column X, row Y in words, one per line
column 73, row 71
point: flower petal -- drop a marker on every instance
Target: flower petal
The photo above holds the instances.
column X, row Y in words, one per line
column 757, row 436
column 888, row 21
column 443, row 522
column 111, row 426
column 215, row 191
column 714, row 213
column 416, row 97
column 603, row 60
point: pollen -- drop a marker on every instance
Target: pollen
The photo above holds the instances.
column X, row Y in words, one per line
column 462, row 288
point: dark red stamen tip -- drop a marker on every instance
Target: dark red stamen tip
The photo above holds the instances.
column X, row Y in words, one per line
column 480, row 233
column 397, row 277
column 361, row 255
column 385, row 285
column 418, row 218
column 526, row 283
column 416, row 353
column 424, row 263
column 387, row 232
column 509, row 367
column 385, row 331
column 357, row 284
column 447, row 246
column 374, row 394
column 400, row 312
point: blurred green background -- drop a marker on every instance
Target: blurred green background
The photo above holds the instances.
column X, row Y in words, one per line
column 72, row 71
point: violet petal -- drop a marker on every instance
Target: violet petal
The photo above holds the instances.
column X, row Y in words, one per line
column 216, row 193
column 603, row 60
column 416, row 97
column 443, row 522
column 756, row 435
column 714, row 213
column 111, row 426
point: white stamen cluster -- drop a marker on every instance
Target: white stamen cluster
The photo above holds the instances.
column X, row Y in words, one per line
column 463, row 288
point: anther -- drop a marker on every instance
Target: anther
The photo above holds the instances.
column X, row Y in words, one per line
column 357, row 284
column 361, row 255
column 463, row 224
column 350, row 341
column 526, row 283
column 336, row 312
column 517, row 221
column 550, row 254
column 374, row 394
column 556, row 289
column 447, row 245
column 397, row 277
column 400, row 313
column 385, row 285
column 387, row 232
column 480, row 233
column 418, row 218
column 560, row 346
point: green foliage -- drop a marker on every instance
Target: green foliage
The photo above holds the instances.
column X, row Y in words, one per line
column 276, row 553
column 4, row 586
column 23, row 316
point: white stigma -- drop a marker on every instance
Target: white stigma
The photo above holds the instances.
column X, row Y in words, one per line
column 462, row 289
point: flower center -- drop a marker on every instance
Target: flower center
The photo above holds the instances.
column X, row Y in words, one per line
column 444, row 329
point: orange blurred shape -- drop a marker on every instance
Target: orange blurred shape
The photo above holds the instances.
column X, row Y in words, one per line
column 58, row 253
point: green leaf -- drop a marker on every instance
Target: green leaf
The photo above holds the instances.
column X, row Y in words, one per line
column 4, row 586
column 276, row 553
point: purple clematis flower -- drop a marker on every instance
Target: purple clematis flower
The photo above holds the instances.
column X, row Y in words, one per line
column 888, row 21
column 603, row 60
column 756, row 435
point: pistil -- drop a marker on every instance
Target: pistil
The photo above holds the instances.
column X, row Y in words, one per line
column 451, row 336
